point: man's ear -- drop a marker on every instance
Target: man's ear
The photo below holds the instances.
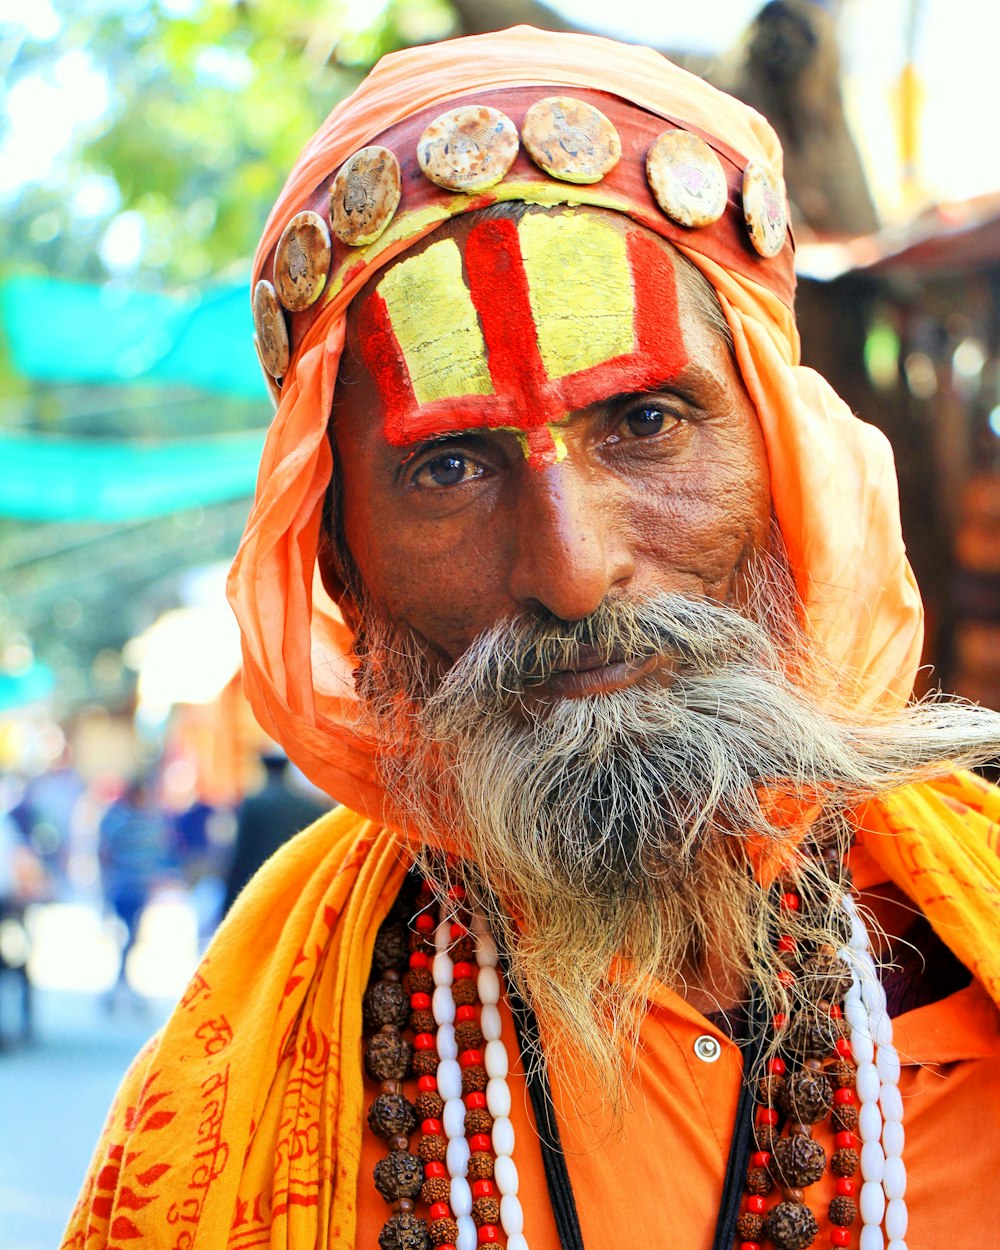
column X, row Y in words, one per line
column 331, row 571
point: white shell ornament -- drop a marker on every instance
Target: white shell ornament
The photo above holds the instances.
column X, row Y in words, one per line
column 764, row 209
column 364, row 195
column 468, row 149
column 570, row 140
column 272, row 332
column 686, row 178
column 302, row 261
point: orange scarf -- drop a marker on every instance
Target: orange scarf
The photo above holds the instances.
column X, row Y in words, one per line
column 240, row 1124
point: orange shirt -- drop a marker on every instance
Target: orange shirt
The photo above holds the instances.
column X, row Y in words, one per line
column 657, row 1179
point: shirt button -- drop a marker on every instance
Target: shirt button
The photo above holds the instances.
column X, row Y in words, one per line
column 707, row 1048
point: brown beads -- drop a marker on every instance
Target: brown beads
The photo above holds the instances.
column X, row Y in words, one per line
column 799, row 1160
column 807, row 1095
column 474, row 1079
column 480, row 1166
column 387, row 1054
column 843, row 1211
column 430, row 1105
column 844, row 1162
column 432, row 1147
column 811, row 1034
column 385, row 1002
column 443, row 1232
column 844, row 1118
column 468, row 1035
column 464, row 950
column 435, row 1189
column 464, row 992
column 425, row 1062
column 391, row 1114
column 422, row 1021
column 418, row 981
column 404, row 1232
column 478, row 1120
column 391, row 947
column 770, row 1088
column 749, row 1226
column 826, row 976
column 759, row 1181
column 791, row 1226
column 398, row 1175
column 842, row 1072
column 486, row 1210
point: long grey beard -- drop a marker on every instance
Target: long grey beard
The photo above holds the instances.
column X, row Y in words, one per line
column 616, row 824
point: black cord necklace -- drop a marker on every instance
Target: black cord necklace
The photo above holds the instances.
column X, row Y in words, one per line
column 554, row 1159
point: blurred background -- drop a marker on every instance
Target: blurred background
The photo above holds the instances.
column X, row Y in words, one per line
column 141, row 145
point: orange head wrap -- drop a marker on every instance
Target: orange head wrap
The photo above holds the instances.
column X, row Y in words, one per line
column 832, row 476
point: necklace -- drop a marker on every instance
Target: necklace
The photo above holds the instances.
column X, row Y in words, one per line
column 837, row 1061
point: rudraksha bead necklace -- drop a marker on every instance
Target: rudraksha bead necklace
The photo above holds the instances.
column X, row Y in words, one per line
column 463, row 1168
column 834, row 1060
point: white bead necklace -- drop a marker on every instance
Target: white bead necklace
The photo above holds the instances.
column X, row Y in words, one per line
column 880, row 1106
column 449, row 1084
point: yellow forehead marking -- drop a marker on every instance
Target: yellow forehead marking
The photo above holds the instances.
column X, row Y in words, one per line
column 435, row 324
column 580, row 288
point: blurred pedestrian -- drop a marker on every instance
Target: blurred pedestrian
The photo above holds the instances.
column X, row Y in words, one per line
column 133, row 855
column 266, row 820
column 23, row 880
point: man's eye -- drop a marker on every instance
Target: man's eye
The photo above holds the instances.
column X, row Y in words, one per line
column 447, row 470
column 645, row 420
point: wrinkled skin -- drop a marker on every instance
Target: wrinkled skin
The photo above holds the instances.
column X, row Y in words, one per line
column 657, row 491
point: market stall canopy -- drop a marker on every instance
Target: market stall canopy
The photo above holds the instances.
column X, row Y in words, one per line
column 48, row 478
column 61, row 331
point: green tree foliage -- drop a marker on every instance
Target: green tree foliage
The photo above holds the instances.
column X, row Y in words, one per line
column 208, row 103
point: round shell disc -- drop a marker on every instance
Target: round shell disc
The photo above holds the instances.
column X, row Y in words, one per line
column 686, row 178
column 272, row 333
column 468, row 148
column 273, row 387
column 764, row 208
column 570, row 140
column 302, row 261
column 364, row 195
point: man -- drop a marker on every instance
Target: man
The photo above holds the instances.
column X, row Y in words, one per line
column 612, row 659
column 265, row 821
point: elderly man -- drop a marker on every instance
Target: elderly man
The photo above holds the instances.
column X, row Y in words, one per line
column 651, row 905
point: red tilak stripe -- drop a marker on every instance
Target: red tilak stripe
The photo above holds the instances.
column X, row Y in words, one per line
column 384, row 360
column 498, row 285
column 657, row 328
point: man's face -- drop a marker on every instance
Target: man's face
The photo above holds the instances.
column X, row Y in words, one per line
column 658, row 482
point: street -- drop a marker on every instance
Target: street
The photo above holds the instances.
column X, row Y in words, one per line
column 56, row 1088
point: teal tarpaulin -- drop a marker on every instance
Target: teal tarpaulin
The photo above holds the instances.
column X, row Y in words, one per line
column 44, row 478
column 32, row 686
column 71, row 332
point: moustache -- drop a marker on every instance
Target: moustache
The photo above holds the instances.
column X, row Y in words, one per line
column 694, row 636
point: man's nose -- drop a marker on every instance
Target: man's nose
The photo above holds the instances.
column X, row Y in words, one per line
column 569, row 549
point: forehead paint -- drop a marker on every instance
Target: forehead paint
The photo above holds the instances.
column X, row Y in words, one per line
column 580, row 292
column 447, row 357
column 548, row 316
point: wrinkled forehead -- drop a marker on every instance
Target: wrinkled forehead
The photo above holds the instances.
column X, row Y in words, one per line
column 516, row 320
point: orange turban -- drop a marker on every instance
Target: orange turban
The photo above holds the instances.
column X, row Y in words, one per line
column 832, row 476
